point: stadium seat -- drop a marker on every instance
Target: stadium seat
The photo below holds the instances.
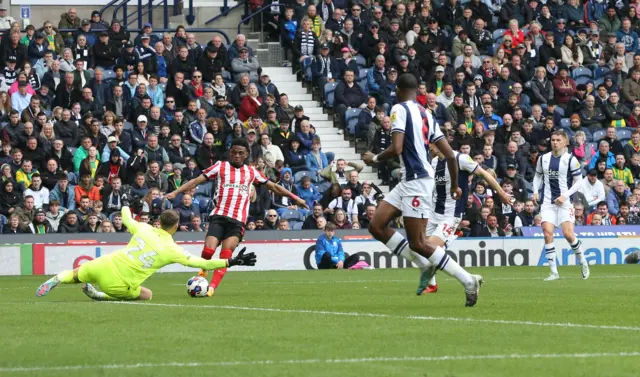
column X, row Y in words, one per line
column 304, row 173
column 529, row 186
column 323, row 187
column 232, row 85
column 204, row 190
column 494, row 48
column 329, row 93
column 192, row 149
column 203, row 204
column 297, row 225
column 108, row 74
column 565, row 122
column 292, row 215
column 498, row 33
column 363, row 85
column 582, row 72
column 351, row 120
column 363, row 74
column 599, row 135
column 226, row 76
column 559, row 110
column 588, row 134
column 128, row 126
column 591, row 147
column 623, row 133
column 597, row 82
column 163, row 87
column 72, row 150
column 583, row 80
column 601, row 71
column 3, row 222
column 361, row 61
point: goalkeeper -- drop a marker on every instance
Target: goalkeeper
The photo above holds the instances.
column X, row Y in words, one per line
column 121, row 274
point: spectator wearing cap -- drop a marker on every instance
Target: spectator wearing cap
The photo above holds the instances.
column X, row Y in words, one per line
column 298, row 118
column 347, row 63
column 118, row 34
column 238, row 43
column 112, row 145
column 370, row 40
column 104, row 52
column 20, row 99
column 37, row 48
column 325, row 68
column 69, row 20
column 144, row 51
column 5, row 20
column 85, row 29
column 97, row 24
column 245, row 64
column 40, row 224
column 208, row 64
column 128, row 57
column 282, row 135
column 266, row 86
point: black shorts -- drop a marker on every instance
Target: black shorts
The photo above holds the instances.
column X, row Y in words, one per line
column 222, row 227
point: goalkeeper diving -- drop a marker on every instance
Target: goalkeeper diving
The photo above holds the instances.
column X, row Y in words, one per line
column 120, row 274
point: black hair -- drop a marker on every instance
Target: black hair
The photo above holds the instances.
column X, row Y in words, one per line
column 407, row 81
column 241, row 142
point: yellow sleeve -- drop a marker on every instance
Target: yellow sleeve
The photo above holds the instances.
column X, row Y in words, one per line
column 184, row 258
column 128, row 221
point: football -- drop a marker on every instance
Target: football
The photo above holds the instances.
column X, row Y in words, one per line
column 197, row 286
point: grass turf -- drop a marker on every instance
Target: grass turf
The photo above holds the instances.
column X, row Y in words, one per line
column 327, row 315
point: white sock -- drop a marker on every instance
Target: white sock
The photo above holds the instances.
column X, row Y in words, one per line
column 400, row 246
column 577, row 249
column 451, row 267
column 433, row 280
column 550, row 249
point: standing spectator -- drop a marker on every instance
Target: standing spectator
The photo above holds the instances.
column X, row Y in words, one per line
column 5, row 21
column 69, row 20
column 592, row 189
column 329, row 252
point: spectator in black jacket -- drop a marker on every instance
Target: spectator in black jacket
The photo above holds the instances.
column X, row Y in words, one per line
column 209, row 65
column 104, row 52
column 178, row 153
column 205, row 154
column 13, row 47
column 348, row 95
column 182, row 63
column 68, row 92
column 37, row 49
column 325, row 68
column 492, row 229
column 178, row 90
column 61, row 154
column 67, row 130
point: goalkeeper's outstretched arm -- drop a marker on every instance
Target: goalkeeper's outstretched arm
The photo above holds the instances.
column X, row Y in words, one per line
column 241, row 259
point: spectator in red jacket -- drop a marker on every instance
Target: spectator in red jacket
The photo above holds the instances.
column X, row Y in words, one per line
column 250, row 104
column 564, row 87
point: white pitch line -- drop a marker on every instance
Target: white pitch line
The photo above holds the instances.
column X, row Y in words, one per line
column 381, row 315
column 322, row 361
column 413, row 280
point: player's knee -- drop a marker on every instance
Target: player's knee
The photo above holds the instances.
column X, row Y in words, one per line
column 375, row 229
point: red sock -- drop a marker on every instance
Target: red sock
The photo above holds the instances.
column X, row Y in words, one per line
column 219, row 274
column 207, row 253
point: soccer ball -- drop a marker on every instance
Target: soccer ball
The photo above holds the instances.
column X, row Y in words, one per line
column 197, row 286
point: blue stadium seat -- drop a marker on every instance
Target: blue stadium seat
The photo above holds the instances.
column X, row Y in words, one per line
column 582, row 72
column 351, row 120
column 203, row 204
column 623, row 133
column 559, row 110
column 323, row 187
column 226, row 76
column 363, row 74
column 361, row 61
column 72, row 150
column 128, row 126
column 108, row 74
column 583, row 80
column 363, row 85
column 329, row 93
column 192, row 149
column 232, row 85
column 204, row 190
column 591, row 146
column 297, row 225
column 599, row 135
column 588, row 134
column 498, row 33
column 597, row 82
column 163, row 87
column 3, row 222
column 494, row 48
column 565, row 122
column 302, row 173
column 112, row 216
column 600, row 72
column 292, row 215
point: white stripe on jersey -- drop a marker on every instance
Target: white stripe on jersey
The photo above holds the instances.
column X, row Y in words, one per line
column 233, row 195
column 443, row 203
column 558, row 173
column 420, row 129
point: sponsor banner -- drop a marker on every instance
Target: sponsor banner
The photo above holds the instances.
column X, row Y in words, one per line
column 10, row 260
column 301, row 255
column 588, row 231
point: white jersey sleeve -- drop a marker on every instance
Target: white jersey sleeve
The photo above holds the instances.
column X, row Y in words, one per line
column 398, row 118
column 466, row 163
column 574, row 166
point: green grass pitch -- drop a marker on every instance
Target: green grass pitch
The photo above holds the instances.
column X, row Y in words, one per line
column 331, row 323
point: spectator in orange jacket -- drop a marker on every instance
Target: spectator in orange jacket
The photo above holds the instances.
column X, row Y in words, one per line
column 602, row 209
column 86, row 188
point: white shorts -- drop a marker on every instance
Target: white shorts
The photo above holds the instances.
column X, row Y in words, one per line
column 413, row 198
column 443, row 228
column 557, row 215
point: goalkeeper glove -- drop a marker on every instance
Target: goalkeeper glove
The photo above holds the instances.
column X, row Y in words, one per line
column 124, row 199
column 242, row 260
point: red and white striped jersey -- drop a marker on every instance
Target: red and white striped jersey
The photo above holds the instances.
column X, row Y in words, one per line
column 233, row 195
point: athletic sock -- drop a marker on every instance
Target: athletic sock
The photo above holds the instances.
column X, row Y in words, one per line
column 219, row 274
column 451, row 267
column 400, row 247
column 207, row 253
column 432, row 281
column 550, row 249
column 577, row 249
column 66, row 277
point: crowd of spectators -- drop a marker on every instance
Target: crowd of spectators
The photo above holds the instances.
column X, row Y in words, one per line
column 91, row 113
column 499, row 77
column 88, row 113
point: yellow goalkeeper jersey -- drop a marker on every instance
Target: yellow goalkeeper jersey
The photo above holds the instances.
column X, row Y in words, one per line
column 149, row 250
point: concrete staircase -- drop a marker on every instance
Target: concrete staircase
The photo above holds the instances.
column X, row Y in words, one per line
column 331, row 141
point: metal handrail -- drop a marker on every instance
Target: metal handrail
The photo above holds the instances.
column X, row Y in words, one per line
column 259, row 11
column 223, row 13
column 148, row 11
column 165, row 30
column 109, row 4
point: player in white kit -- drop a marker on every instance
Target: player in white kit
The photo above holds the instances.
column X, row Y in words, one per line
column 447, row 212
column 413, row 129
column 559, row 175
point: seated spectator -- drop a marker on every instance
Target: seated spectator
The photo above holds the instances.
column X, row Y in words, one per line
column 25, row 173
column 12, row 226
column 198, row 128
column 69, row 223
column 603, row 154
column 205, row 154
column 10, row 198
column 281, row 136
column 40, row 224
column 283, row 203
column 245, row 64
column 370, row 211
column 270, row 152
column 615, row 113
column 250, row 103
column 294, row 158
column 339, row 174
column 348, row 95
column 266, row 86
column 85, row 188
column 329, row 252
column 240, row 91
column 39, row 193
column 601, row 216
column 619, row 194
column 91, row 225
column 345, row 202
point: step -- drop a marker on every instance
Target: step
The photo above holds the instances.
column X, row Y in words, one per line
column 322, row 123
column 284, row 78
column 335, row 144
column 319, row 117
column 310, row 104
column 330, row 137
column 291, row 91
column 310, row 110
column 278, row 70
